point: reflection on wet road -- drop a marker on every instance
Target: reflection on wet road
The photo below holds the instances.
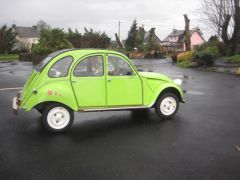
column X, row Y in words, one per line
column 199, row 143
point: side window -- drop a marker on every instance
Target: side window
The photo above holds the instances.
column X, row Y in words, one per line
column 91, row 66
column 118, row 67
column 60, row 68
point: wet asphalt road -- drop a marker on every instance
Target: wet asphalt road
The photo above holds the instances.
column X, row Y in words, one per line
column 197, row 144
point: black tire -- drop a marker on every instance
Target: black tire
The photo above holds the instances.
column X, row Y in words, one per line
column 57, row 117
column 167, row 112
column 40, row 110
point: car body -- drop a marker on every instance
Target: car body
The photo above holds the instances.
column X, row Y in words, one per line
column 84, row 80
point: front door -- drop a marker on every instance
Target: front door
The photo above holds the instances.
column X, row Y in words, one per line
column 124, row 86
column 88, row 82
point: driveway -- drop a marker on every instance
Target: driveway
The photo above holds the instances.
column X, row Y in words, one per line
column 199, row 143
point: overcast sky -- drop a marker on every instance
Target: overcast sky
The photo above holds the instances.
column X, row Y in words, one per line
column 164, row 15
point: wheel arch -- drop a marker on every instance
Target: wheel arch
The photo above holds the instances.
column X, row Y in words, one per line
column 170, row 89
column 40, row 106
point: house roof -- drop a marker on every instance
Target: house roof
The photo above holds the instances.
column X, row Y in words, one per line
column 27, row 32
column 180, row 34
column 175, row 33
column 156, row 38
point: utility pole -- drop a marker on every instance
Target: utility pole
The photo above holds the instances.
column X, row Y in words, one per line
column 119, row 26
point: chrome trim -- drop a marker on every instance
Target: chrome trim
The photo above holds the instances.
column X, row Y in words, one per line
column 15, row 106
column 113, row 109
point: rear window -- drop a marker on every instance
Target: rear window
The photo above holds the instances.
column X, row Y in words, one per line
column 60, row 68
column 45, row 61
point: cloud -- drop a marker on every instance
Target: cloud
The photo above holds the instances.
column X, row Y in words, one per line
column 99, row 14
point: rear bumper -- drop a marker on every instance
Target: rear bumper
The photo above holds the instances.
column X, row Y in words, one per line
column 16, row 103
column 15, row 106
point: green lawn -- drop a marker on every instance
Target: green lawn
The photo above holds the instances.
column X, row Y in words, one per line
column 183, row 64
column 234, row 59
column 8, row 57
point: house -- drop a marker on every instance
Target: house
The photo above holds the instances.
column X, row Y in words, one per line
column 155, row 37
column 175, row 41
column 26, row 37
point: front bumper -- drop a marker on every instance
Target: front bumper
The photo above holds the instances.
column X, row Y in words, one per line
column 16, row 103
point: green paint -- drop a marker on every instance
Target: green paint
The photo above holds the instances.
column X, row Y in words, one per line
column 137, row 89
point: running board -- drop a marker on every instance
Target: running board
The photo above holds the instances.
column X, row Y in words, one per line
column 112, row 109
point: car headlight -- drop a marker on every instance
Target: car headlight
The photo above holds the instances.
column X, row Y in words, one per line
column 177, row 82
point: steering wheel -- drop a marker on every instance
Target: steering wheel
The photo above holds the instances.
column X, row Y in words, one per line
column 116, row 71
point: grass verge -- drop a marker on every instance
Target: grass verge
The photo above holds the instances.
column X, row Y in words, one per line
column 9, row 57
column 183, row 64
column 234, row 59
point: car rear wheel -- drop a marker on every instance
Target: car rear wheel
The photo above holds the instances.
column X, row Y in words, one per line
column 167, row 105
column 57, row 118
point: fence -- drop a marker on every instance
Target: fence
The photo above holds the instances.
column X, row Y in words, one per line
column 28, row 57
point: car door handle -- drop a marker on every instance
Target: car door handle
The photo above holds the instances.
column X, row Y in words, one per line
column 109, row 80
column 74, row 81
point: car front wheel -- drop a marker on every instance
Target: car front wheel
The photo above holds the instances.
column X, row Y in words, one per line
column 167, row 105
column 57, row 118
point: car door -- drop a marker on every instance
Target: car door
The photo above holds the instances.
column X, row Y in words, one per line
column 88, row 81
column 124, row 86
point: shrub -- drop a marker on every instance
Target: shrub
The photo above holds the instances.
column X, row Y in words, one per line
column 205, row 54
column 214, row 41
column 204, row 58
column 213, row 50
column 185, row 56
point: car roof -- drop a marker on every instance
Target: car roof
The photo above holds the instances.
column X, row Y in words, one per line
column 83, row 52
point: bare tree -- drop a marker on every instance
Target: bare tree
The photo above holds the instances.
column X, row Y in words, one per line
column 187, row 33
column 223, row 17
column 215, row 12
column 119, row 43
column 41, row 25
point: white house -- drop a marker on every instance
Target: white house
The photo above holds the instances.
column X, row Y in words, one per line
column 26, row 37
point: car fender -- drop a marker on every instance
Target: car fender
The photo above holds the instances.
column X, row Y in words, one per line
column 60, row 94
column 160, row 89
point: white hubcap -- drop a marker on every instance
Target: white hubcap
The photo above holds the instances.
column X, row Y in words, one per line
column 168, row 106
column 58, row 118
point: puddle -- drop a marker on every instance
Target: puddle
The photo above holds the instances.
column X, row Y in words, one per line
column 3, row 62
column 195, row 93
column 11, row 72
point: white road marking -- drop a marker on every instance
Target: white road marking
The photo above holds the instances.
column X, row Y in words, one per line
column 7, row 89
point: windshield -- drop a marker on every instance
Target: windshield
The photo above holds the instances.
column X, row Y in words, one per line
column 46, row 60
